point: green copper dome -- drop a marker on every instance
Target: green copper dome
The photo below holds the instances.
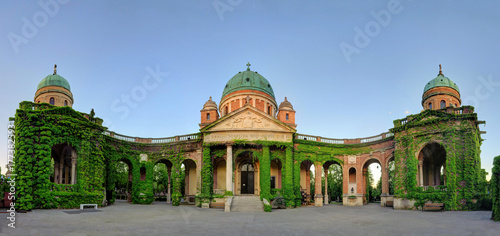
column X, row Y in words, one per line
column 54, row 80
column 441, row 81
column 248, row 80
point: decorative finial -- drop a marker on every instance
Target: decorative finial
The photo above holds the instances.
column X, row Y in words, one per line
column 285, row 99
column 440, row 70
column 248, row 100
column 55, row 69
column 248, row 65
column 210, row 98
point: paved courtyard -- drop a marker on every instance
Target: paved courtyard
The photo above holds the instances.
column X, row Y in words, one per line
column 162, row 219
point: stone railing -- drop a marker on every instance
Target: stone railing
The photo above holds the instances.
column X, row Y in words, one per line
column 62, row 187
column 440, row 187
column 344, row 141
column 180, row 138
column 219, row 191
column 450, row 110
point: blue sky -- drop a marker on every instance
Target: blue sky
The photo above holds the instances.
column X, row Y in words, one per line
column 106, row 49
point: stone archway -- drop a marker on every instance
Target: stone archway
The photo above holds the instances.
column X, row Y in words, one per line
column 431, row 165
column 247, row 177
column 64, row 157
column 162, row 180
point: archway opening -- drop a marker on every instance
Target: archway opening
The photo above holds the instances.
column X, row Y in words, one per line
column 372, row 181
column 431, row 165
column 189, row 180
column 123, row 184
column 307, row 182
column 220, row 175
column 162, row 184
column 247, row 179
column 276, row 176
column 334, row 182
column 63, row 164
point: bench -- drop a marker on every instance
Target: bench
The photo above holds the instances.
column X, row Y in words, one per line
column 433, row 206
column 389, row 203
column 88, row 205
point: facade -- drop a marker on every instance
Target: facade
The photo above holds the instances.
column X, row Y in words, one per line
column 246, row 145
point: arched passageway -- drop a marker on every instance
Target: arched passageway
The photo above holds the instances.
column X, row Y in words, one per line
column 247, row 177
column 63, row 161
column 432, row 165
column 190, row 178
column 333, row 181
column 124, row 180
column 162, row 181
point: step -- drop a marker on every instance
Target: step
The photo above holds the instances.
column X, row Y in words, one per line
column 247, row 204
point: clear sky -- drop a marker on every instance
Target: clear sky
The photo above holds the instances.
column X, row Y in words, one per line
column 348, row 67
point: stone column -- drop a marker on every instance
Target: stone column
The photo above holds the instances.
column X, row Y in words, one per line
column 66, row 175
column 318, row 197
column 421, row 171
column 73, row 170
column 431, row 175
column 385, row 181
column 229, row 169
column 326, row 186
column 169, row 199
column 56, row 172
column 61, row 166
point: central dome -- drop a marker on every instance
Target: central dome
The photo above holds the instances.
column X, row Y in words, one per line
column 248, row 80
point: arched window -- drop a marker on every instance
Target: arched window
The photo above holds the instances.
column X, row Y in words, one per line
column 226, row 110
column 443, row 104
column 456, row 105
column 52, row 101
column 430, row 105
column 208, row 116
column 269, row 110
column 286, row 116
column 65, row 103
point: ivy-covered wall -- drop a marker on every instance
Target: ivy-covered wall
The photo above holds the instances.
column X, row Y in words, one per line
column 459, row 135
column 39, row 127
column 495, row 189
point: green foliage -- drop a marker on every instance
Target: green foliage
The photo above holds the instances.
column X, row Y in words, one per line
column 335, row 182
column 459, row 136
column 265, row 173
column 495, row 189
column 39, row 127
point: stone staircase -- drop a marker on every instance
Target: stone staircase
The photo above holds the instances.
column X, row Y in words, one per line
column 247, row 203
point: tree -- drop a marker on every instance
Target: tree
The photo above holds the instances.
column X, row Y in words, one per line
column 335, row 182
column 392, row 173
column 160, row 178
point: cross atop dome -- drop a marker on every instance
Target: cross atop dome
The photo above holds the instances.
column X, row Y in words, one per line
column 248, row 66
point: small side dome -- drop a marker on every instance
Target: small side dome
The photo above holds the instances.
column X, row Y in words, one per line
column 286, row 105
column 210, row 105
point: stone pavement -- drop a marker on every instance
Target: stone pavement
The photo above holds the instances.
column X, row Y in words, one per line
column 163, row 219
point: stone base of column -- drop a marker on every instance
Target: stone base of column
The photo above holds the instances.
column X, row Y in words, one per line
column 353, row 200
column 318, row 200
column 326, row 199
column 384, row 197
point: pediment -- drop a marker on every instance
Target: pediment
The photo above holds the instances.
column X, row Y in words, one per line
column 250, row 124
column 248, row 118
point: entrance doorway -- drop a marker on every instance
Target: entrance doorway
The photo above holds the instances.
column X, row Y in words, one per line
column 247, row 179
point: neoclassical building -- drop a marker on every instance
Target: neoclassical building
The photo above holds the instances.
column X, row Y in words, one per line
column 247, row 145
